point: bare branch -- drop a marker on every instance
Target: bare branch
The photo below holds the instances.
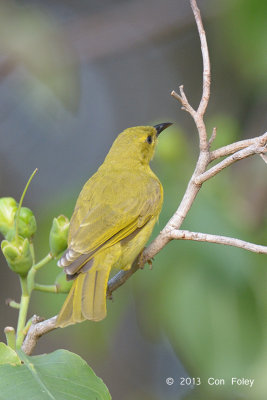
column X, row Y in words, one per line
column 234, row 147
column 204, row 156
column 239, row 155
column 36, row 330
column 198, row 115
column 206, row 237
column 206, row 60
column 122, row 276
column 183, row 100
column 213, row 136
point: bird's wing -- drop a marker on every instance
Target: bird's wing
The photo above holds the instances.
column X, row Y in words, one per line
column 113, row 218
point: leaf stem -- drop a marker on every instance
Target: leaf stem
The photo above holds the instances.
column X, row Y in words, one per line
column 35, row 268
column 46, row 288
column 24, row 304
column 10, row 337
column 13, row 304
column 42, row 262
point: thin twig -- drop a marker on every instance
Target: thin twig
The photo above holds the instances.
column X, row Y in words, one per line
column 229, row 241
column 206, row 60
column 183, row 100
column 213, row 136
column 239, row 155
column 234, row 147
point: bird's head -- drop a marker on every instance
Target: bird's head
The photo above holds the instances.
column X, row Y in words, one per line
column 137, row 143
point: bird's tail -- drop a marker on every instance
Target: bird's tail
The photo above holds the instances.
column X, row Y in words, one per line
column 87, row 297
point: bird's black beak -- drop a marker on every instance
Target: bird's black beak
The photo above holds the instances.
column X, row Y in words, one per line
column 161, row 127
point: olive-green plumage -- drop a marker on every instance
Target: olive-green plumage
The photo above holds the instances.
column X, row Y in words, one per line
column 113, row 218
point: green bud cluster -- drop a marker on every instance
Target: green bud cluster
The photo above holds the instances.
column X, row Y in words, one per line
column 18, row 226
column 16, row 247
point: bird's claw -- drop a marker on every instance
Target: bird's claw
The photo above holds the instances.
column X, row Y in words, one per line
column 110, row 296
column 142, row 261
column 150, row 263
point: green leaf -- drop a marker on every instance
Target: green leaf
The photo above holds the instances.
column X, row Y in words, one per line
column 60, row 375
column 8, row 355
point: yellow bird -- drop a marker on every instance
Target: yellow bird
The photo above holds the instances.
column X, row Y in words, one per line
column 113, row 218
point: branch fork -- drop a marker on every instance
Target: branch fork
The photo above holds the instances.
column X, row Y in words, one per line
column 183, row 100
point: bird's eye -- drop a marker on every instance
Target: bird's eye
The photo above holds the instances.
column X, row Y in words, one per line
column 149, row 139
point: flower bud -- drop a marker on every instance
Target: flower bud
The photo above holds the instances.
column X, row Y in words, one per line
column 8, row 208
column 63, row 286
column 58, row 238
column 18, row 255
column 26, row 223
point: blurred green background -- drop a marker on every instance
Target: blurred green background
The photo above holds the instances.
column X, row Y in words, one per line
column 73, row 74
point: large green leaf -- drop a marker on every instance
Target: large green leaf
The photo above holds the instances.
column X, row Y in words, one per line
column 60, row 375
